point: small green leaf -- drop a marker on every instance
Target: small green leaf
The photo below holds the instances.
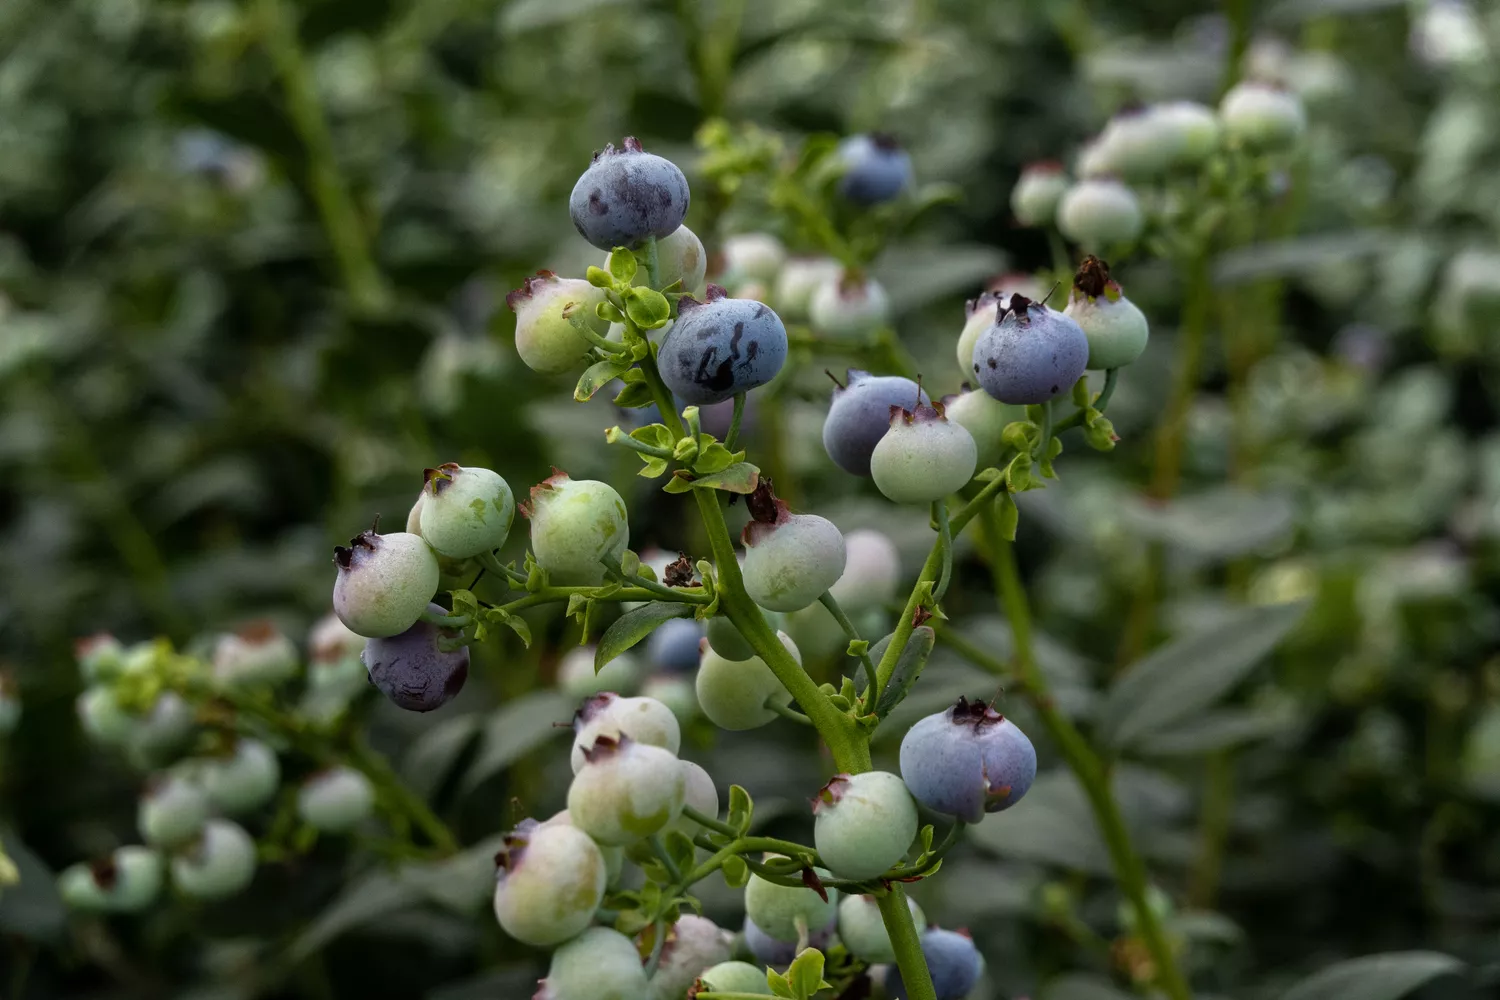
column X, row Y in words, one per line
column 714, row 457
column 926, row 836
column 465, row 603
column 741, row 809
column 647, row 308
column 681, row 482
column 634, row 396
column 598, row 375
column 622, row 265
column 736, row 872
column 518, row 625
column 655, row 435
column 779, row 985
column 1081, row 393
column 1020, row 435
column 536, row 577
column 857, row 648
column 1010, row 517
column 806, row 973
column 741, row 477
column 680, row 849
column 1388, row 976
column 609, row 313
column 630, row 563
column 599, row 277
column 909, row 667
column 577, row 603
column 633, row 626
column 685, row 450
column 653, row 468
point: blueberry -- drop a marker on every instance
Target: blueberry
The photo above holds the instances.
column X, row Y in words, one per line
column 876, row 168
column 799, row 280
column 862, row 928
column 790, row 559
column 413, row 670
column 128, row 881
column 167, row 725
column 626, row 791
column 733, row 693
column 693, row 945
column 1261, row 116
column 698, row 792
column 1034, row 198
column 872, row 571
column 774, row 952
column 549, row 881
column 627, row 196
column 1190, row 131
column 220, row 864
column 599, row 964
column 336, row 800
column 1031, row 354
column 735, row 977
column 952, row 960
column 259, row 653
column 864, row 823
column 172, row 811
column 1117, row 331
column 545, row 307
column 676, row 692
column 330, row 641
column 384, row 582
column 644, row 720
column 860, row 414
column 103, row 718
column 99, row 656
column 673, row 647
column 1139, row 143
column 575, row 523
column 725, row 639
column 985, row 418
column 923, row 457
column 779, row 909
column 466, row 511
column 614, row 856
column 577, row 679
column 752, row 257
column 1100, row 211
column 721, row 346
column 849, row 305
column 967, row 761
column 244, row 780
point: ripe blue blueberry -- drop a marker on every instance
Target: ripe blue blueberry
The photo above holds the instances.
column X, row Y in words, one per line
column 577, row 679
column 644, row 720
column 258, row 653
column 785, row 912
column 242, row 781
column 575, row 523
column 864, row 823
column 626, row 791
column 384, row 582
column 790, row 559
column 1034, row 198
column 862, row 928
column 694, row 944
column 545, row 307
column 849, row 305
column 413, row 670
column 985, row 418
column 952, row 960
column 967, row 761
column 872, row 571
column 128, row 881
column 1117, row 331
column 466, row 510
column 673, row 647
column 721, row 346
column 335, row 800
column 876, row 168
column 923, row 457
column 859, row 414
column 733, row 693
column 628, row 195
column 600, row 964
column 172, row 811
column 549, row 881
column 774, row 952
column 218, row 865
column 1031, row 354
column 1100, row 211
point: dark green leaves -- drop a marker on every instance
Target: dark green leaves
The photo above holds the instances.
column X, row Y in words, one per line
column 1388, row 976
column 633, row 626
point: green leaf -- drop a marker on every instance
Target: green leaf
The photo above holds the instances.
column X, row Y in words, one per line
column 598, row 375
column 1387, row 976
column 736, row 872
column 1216, row 730
column 647, row 308
column 1010, row 517
column 513, row 622
column 680, row 849
column 599, row 277
column 366, row 899
column 685, row 450
column 514, row 730
column 805, row 974
column 741, row 477
column 31, row 908
column 652, row 468
column 622, row 265
column 857, row 648
column 1218, row 523
column 578, row 604
column 741, row 809
column 635, row 395
column 714, row 457
column 1190, row 674
column 656, row 435
column 908, row 668
column 633, row 626
column 779, row 985
column 681, row 482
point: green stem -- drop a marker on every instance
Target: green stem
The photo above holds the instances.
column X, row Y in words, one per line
column 588, row 333
column 827, row 600
column 616, row 436
column 1130, row 870
column 908, row 947
column 1062, row 265
column 735, row 420
column 945, row 545
column 1111, row 379
column 653, row 262
column 709, row 823
column 552, row 595
column 772, row 705
column 389, row 784
column 1172, row 431
column 673, row 872
column 1213, row 828
column 341, row 223
column 445, row 621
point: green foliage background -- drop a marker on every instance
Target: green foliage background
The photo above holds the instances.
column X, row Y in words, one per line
column 208, row 377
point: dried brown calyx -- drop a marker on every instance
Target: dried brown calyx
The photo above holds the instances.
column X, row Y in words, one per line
column 975, row 714
column 344, row 556
column 679, row 572
column 712, row 293
column 436, row 480
column 1092, row 277
column 528, row 288
column 830, row 793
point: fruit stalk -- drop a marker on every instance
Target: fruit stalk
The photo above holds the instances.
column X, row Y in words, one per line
column 908, row 947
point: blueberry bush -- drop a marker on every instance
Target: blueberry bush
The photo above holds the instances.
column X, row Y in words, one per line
column 983, row 503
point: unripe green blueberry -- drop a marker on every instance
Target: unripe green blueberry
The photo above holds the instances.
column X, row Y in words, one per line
column 545, row 307
column 1095, row 159
column 10, row 704
column 576, row 677
column 754, row 257
column 259, row 653
column 674, row 691
column 850, row 305
column 923, row 457
column 331, row 642
column 733, row 693
column 644, row 720
column 790, row 559
column 862, row 928
column 103, row 718
column 735, row 977
column 165, row 727
column 1261, row 116
column 599, row 964
column 725, row 639
column 979, row 315
column 1189, row 129
column 336, row 800
column 574, row 525
column 128, row 881
column 549, row 881
column 1139, row 143
column 172, row 811
column 384, row 582
column 1100, row 212
column 625, row 791
column 694, row 944
column 614, row 855
column 777, row 909
column 244, row 780
column 872, row 570
column 864, row 823
column 1117, row 331
column 800, row 277
column 985, row 418
column 99, row 657
column 219, row 865
column 467, row 510
column 699, row 793
column 679, row 257
column 1034, row 198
